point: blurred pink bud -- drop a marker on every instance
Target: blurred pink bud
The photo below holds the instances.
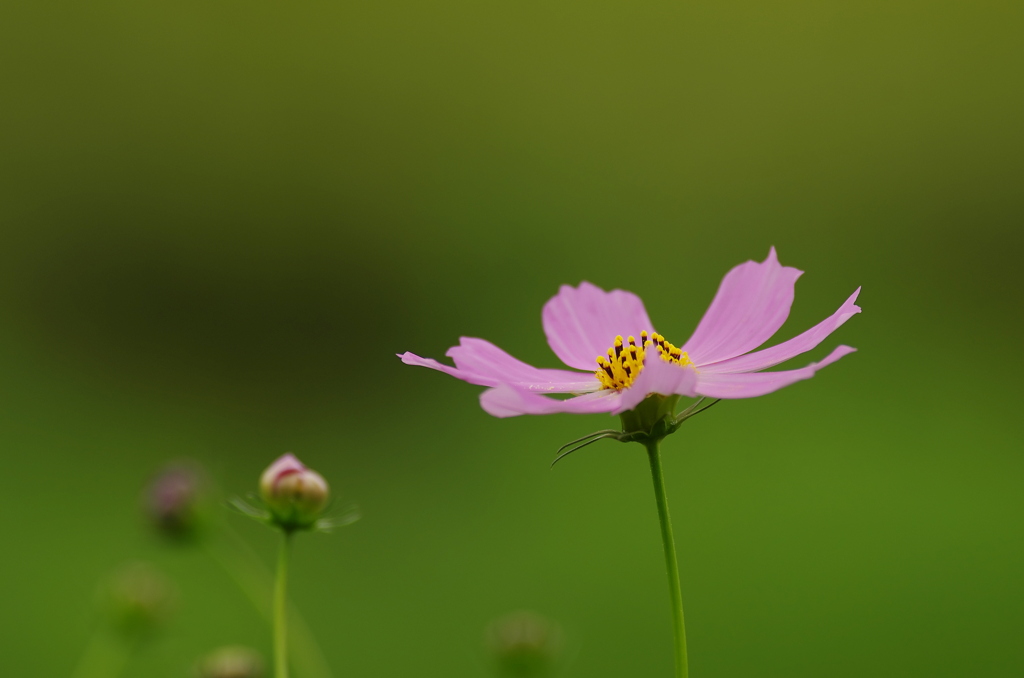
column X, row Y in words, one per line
column 524, row 644
column 232, row 662
column 175, row 498
column 138, row 598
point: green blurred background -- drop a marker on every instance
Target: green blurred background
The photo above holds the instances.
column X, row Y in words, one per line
column 220, row 221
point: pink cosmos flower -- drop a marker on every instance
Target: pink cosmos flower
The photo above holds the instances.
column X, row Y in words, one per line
column 590, row 328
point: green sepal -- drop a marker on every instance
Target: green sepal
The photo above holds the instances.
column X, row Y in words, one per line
column 256, row 509
column 649, row 422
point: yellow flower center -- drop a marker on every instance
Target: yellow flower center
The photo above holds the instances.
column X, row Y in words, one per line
column 626, row 359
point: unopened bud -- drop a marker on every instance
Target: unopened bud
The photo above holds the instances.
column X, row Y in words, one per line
column 524, row 644
column 138, row 598
column 231, row 662
column 295, row 495
column 174, row 500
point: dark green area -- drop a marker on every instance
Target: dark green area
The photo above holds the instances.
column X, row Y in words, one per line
column 220, row 221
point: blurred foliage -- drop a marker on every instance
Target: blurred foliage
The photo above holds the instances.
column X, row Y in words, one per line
column 220, row 222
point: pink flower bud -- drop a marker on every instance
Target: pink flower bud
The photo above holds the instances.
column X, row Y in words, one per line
column 524, row 644
column 138, row 599
column 294, row 494
column 176, row 500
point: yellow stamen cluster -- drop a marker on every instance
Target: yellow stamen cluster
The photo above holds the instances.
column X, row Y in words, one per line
column 626, row 359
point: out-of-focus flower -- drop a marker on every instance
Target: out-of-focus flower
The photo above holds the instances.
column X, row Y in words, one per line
column 175, row 500
column 524, row 644
column 294, row 494
column 231, row 662
column 138, row 599
column 587, row 326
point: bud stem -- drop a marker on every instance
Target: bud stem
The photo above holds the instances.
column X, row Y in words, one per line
column 104, row 656
column 245, row 568
column 281, row 609
column 675, row 593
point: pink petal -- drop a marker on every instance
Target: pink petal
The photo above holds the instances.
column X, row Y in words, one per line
column 481, row 362
column 508, row 401
column 413, row 359
column 582, row 322
column 659, row 377
column 769, row 357
column 751, row 384
column 286, row 463
column 751, row 304
column 480, row 357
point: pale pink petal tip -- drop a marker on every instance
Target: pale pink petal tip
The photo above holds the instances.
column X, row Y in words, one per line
column 752, row 384
column 490, row 363
column 287, row 462
column 413, row 359
column 751, row 304
column 284, row 465
column 482, row 363
column 769, row 357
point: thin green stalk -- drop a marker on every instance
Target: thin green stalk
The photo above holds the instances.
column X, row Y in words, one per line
column 104, row 657
column 253, row 578
column 281, row 610
column 675, row 593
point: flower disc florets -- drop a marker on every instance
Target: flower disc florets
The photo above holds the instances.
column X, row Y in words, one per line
column 626, row 359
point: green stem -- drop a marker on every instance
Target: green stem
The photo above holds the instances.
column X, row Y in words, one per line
column 675, row 593
column 104, row 657
column 281, row 610
column 244, row 566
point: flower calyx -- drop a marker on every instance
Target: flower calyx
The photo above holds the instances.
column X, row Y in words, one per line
column 650, row 421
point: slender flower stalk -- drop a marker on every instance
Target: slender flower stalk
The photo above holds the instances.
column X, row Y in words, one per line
column 671, row 563
column 104, row 657
column 254, row 578
column 281, row 609
column 136, row 601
